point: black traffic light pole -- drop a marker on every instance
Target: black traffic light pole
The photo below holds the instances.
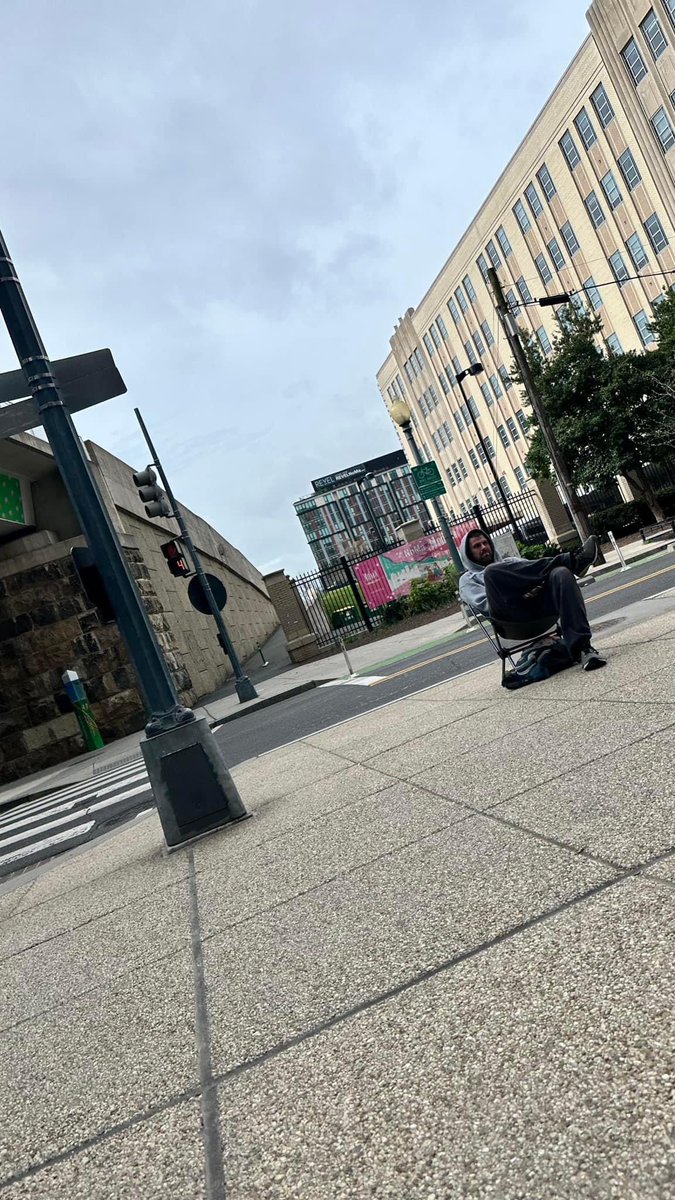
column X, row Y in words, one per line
column 244, row 687
column 154, row 679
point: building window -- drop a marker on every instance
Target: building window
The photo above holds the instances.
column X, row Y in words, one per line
column 474, row 459
column 525, row 293
column 513, row 302
column 521, row 216
column 594, row 210
column 496, row 386
column 481, row 453
column 401, row 389
column 457, row 367
column 543, row 342
column 490, row 448
column 547, row 184
column 629, row 170
column 619, row 268
column 442, row 328
column 556, row 253
column 637, row 251
column 461, row 299
column 522, row 420
column 459, row 421
column 493, row 256
column 543, row 269
column 569, row 149
column 670, row 9
column 429, row 344
column 663, row 129
column 487, row 333
column 481, row 263
column 570, row 238
column 614, row 344
column 454, row 311
column 505, row 485
column 473, row 408
column 503, row 241
column 520, row 476
column 656, row 233
column 435, row 335
column 593, row 293
column 513, row 429
column 469, row 289
column 533, row 200
column 468, row 350
column 450, row 375
column 602, row 106
column 505, row 377
column 643, row 326
column 417, row 353
column 445, row 386
column 634, row 61
column 462, row 468
column 487, row 394
column 611, row 190
column 585, row 129
column 478, row 343
column 653, row 34
column 501, row 430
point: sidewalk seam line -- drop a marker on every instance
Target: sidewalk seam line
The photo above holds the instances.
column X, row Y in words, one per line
column 213, row 1153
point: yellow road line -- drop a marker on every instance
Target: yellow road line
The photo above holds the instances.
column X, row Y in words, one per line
column 481, row 641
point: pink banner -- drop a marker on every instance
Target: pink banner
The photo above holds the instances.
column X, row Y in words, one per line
column 390, row 576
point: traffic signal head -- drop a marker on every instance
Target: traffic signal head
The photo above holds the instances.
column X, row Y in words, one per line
column 156, row 503
column 175, row 556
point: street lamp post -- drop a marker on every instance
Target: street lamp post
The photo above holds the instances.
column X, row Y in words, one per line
column 402, row 416
column 476, row 369
column 193, row 789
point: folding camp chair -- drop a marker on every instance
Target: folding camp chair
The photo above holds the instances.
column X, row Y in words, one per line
column 513, row 637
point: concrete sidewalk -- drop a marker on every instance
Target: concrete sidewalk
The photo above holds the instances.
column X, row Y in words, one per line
column 284, row 685
column 438, row 963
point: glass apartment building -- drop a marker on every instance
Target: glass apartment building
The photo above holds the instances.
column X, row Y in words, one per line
column 359, row 509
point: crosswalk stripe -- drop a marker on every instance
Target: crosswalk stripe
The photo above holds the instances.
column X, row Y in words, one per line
column 37, row 847
column 46, row 803
column 36, row 817
column 28, row 833
column 93, row 783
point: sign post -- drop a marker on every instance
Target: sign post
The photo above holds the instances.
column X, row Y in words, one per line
column 428, row 480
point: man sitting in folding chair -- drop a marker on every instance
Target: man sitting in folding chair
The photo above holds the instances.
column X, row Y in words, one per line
column 518, row 593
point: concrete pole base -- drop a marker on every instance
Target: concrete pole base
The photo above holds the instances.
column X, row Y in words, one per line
column 193, row 789
column 245, row 689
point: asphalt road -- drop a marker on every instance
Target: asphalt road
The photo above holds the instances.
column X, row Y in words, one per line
column 37, row 830
column 309, row 712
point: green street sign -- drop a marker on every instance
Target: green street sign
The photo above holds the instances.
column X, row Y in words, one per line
column 428, row 479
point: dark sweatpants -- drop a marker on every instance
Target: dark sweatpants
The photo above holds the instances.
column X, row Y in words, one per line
column 560, row 597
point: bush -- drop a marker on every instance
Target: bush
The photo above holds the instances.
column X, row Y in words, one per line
column 622, row 519
column 394, row 611
column 425, row 596
column 543, row 550
column 667, row 499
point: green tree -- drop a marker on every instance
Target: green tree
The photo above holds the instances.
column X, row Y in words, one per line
column 611, row 413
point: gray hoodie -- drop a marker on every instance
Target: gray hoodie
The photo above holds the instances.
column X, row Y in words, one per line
column 471, row 584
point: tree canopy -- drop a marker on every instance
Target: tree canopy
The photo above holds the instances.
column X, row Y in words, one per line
column 611, row 413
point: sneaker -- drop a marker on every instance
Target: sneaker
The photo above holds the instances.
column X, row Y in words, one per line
column 590, row 659
column 584, row 558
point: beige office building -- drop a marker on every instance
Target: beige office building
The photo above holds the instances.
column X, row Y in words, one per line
column 586, row 204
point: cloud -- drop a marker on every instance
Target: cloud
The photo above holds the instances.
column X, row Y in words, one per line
column 241, row 199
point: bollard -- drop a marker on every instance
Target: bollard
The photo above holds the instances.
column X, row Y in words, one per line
column 261, row 652
column 85, row 717
column 344, row 651
column 624, row 564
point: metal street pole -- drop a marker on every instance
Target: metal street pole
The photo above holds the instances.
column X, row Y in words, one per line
column 154, row 679
column 488, row 458
column 443, row 522
column 193, row 790
column 559, row 465
column 244, row 688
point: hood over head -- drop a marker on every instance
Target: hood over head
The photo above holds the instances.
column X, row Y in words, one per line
column 464, row 548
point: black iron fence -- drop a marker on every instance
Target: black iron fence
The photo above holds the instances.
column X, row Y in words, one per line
column 333, row 602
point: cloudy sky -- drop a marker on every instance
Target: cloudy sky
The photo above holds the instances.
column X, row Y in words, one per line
column 241, row 199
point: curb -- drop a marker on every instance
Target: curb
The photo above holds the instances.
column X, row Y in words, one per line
column 648, row 552
column 252, row 706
